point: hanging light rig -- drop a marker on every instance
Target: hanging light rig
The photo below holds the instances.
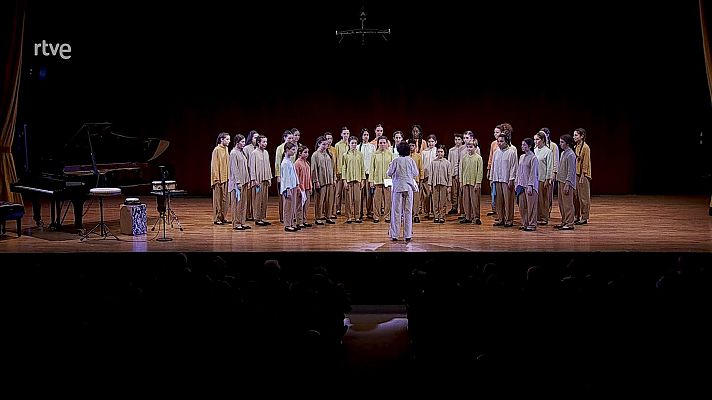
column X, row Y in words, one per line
column 363, row 31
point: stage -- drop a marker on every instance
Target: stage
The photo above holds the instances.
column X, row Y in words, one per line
column 657, row 224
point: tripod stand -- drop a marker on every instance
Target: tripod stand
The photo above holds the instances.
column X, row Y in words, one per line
column 171, row 214
column 161, row 203
column 162, row 197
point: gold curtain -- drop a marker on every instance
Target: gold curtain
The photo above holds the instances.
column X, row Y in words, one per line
column 706, row 46
column 8, row 102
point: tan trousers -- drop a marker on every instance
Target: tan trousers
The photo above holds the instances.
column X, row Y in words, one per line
column 566, row 205
column 455, row 194
column 471, row 202
column 259, row 200
column 220, row 201
column 582, row 199
column 323, row 203
column 504, row 203
column 426, row 196
column 338, row 195
column 382, row 200
column 248, row 198
column 366, row 199
column 352, row 199
column 290, row 204
column 302, row 208
column 528, row 208
column 281, row 209
column 416, row 200
column 440, row 201
column 543, row 201
column 239, row 208
column 552, row 189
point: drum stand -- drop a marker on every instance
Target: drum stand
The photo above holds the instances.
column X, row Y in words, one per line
column 161, row 201
column 171, row 214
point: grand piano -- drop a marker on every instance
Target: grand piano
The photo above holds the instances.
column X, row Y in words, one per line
column 95, row 156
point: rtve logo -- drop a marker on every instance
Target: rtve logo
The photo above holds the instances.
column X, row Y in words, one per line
column 64, row 49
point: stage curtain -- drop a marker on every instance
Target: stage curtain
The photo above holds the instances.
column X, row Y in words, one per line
column 706, row 46
column 12, row 26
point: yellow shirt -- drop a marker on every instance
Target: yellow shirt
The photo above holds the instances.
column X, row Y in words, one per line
column 219, row 165
column 471, row 169
column 380, row 160
column 583, row 160
column 352, row 166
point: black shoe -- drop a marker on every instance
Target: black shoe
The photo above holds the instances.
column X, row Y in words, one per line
column 453, row 211
column 407, row 239
column 338, row 212
column 266, row 223
column 358, row 221
column 375, row 221
column 508, row 225
column 330, row 222
column 290, row 229
column 246, row 227
column 261, row 223
column 319, row 222
column 218, row 222
column 521, row 228
column 478, row 222
column 542, row 222
column 567, row 228
column 348, row 221
column 394, row 239
column 582, row 222
column 498, row 224
column 491, row 213
column 307, row 225
column 465, row 221
column 239, row 228
column 416, row 220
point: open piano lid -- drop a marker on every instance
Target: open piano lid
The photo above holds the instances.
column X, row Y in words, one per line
column 97, row 144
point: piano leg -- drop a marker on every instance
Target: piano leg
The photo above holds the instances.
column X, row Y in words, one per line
column 55, row 210
column 78, row 210
column 37, row 210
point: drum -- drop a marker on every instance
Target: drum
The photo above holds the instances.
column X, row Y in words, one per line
column 170, row 185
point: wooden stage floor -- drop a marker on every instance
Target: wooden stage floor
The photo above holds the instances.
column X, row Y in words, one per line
column 617, row 224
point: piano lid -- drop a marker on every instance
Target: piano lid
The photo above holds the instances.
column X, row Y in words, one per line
column 109, row 147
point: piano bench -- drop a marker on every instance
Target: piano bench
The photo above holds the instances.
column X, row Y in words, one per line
column 10, row 211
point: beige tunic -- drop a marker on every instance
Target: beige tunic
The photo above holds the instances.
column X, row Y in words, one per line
column 322, row 168
column 440, row 172
column 260, row 169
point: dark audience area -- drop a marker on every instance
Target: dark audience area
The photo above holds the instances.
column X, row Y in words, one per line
column 508, row 324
